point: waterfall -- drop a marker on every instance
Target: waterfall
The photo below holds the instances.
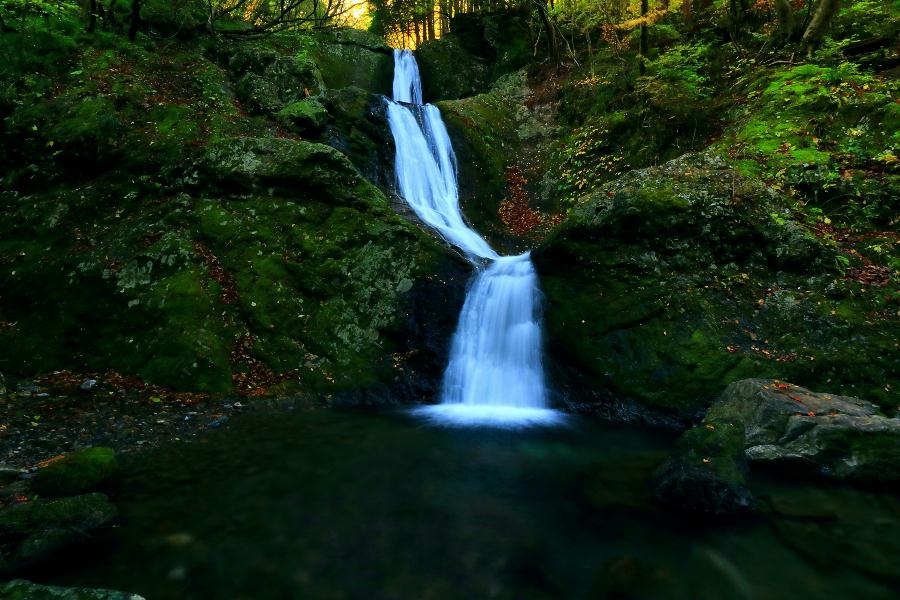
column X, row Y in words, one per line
column 494, row 375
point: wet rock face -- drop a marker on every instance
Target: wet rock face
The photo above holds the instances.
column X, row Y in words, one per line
column 671, row 282
column 769, row 422
column 837, row 436
column 20, row 589
column 357, row 127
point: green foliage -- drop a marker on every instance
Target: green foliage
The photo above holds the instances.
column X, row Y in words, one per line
column 631, row 121
column 826, row 135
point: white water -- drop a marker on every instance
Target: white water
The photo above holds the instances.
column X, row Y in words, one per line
column 495, row 375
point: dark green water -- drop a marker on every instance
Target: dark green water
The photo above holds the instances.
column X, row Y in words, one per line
column 329, row 504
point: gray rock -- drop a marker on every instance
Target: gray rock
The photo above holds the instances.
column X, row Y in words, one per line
column 839, row 436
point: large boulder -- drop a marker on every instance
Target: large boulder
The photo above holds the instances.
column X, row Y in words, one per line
column 19, row 589
column 275, row 264
column 838, row 436
column 268, row 81
column 671, row 282
column 36, row 530
column 448, row 71
column 306, row 116
column 353, row 58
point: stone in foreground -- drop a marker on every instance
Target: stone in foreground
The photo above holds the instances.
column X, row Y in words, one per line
column 25, row 590
column 837, row 436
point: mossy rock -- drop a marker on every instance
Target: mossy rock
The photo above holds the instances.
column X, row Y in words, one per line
column 357, row 128
column 707, row 473
column 668, row 284
column 304, row 116
column 86, row 512
column 259, row 163
column 485, row 131
column 20, row 589
column 77, row 472
column 268, row 81
column 36, row 530
column 448, row 71
column 836, row 436
column 83, row 132
column 354, row 58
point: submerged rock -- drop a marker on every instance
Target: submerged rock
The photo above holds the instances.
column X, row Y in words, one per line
column 707, row 473
column 33, row 531
column 20, row 589
column 78, row 472
column 838, row 436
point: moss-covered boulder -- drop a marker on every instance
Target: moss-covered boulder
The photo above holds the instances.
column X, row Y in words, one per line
column 35, row 530
column 20, row 589
column 707, row 473
column 787, row 425
column 77, row 472
column 488, row 134
column 357, row 127
column 503, row 40
column 274, row 263
column 83, row 131
column 668, row 284
column 353, row 58
column 448, row 71
column 304, row 116
column 268, row 81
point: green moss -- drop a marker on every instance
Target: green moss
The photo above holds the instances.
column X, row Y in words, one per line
column 448, row 71
column 672, row 282
column 78, row 472
column 305, row 116
column 85, row 512
column 353, row 58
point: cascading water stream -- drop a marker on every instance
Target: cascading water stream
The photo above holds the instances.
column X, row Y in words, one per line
column 494, row 375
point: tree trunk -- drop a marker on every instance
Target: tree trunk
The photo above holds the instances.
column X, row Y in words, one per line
column 786, row 21
column 135, row 19
column 551, row 30
column 92, row 16
column 645, row 42
column 815, row 31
